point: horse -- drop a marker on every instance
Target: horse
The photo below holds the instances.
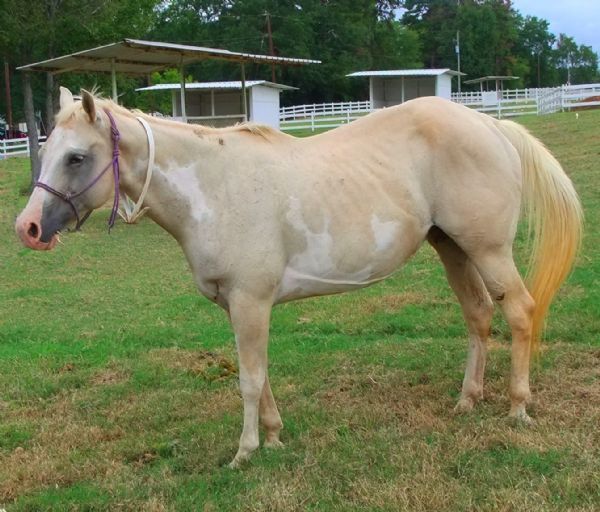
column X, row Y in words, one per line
column 264, row 218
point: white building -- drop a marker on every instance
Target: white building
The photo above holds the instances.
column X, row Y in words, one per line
column 221, row 103
column 392, row 87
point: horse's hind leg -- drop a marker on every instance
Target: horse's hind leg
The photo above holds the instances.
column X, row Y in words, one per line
column 506, row 287
column 478, row 310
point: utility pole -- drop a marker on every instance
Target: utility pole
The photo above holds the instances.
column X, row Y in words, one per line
column 271, row 48
column 9, row 118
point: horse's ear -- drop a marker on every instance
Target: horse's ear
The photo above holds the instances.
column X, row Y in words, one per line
column 66, row 98
column 87, row 100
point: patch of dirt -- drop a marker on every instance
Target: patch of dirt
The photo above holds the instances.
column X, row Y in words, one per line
column 210, row 366
column 108, row 376
column 67, row 368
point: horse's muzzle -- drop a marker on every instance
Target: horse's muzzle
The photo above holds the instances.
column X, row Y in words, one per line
column 29, row 228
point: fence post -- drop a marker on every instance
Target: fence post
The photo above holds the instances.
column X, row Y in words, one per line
column 312, row 121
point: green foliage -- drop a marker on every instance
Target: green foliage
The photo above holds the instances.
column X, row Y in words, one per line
column 347, row 35
column 576, row 64
column 496, row 40
column 535, row 48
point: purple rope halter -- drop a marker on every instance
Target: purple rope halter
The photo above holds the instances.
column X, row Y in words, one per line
column 68, row 196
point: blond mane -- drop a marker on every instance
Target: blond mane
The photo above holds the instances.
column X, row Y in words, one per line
column 75, row 109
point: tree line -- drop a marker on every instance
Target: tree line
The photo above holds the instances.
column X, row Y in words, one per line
column 346, row 35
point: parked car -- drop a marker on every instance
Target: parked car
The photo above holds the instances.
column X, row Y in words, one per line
column 12, row 134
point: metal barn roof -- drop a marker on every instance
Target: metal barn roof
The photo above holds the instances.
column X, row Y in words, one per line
column 491, row 78
column 233, row 85
column 408, row 72
column 134, row 56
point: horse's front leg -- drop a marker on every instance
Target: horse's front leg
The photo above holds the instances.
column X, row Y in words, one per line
column 250, row 320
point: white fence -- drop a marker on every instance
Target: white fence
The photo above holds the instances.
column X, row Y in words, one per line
column 516, row 102
column 322, row 115
column 574, row 96
column 508, row 103
column 323, row 109
column 513, row 102
column 16, row 147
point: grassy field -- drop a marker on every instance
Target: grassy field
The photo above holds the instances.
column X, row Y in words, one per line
column 118, row 388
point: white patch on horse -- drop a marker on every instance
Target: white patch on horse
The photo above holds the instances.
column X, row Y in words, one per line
column 313, row 270
column 385, row 233
column 187, row 183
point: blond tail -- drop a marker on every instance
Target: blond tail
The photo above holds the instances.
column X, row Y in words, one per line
column 555, row 221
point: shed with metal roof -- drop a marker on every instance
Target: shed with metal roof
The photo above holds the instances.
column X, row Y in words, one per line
column 221, row 103
column 392, row 87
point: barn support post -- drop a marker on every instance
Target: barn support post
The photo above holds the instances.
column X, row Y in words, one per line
column 113, row 77
column 174, row 102
column 8, row 98
column 32, row 132
column 402, row 82
column 182, row 91
column 244, row 99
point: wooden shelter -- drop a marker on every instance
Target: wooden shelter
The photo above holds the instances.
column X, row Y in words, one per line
column 138, row 57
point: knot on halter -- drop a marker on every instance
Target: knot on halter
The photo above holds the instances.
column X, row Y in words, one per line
column 115, row 135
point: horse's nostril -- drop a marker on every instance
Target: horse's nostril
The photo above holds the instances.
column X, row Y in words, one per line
column 33, row 230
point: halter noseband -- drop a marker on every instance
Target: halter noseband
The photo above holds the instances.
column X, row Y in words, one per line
column 68, row 196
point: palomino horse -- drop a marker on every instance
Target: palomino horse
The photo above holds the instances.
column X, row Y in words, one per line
column 265, row 218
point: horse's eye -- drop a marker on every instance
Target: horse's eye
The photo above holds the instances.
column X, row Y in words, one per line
column 75, row 159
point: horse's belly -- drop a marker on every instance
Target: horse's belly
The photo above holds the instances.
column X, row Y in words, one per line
column 315, row 272
column 297, row 284
column 344, row 246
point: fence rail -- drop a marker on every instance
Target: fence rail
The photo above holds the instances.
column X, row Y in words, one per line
column 16, row 147
column 507, row 103
column 323, row 109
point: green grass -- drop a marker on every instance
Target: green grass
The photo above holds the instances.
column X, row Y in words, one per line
column 116, row 391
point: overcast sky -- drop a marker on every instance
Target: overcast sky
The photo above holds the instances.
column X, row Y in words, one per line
column 579, row 19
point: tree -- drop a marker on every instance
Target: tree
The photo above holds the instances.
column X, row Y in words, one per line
column 47, row 28
column 345, row 35
column 534, row 47
column 576, row 64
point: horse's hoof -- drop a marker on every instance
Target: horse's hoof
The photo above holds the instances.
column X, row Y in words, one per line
column 235, row 464
column 273, row 443
column 464, row 406
column 520, row 417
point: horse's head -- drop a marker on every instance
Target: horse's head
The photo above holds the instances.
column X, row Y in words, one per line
column 77, row 153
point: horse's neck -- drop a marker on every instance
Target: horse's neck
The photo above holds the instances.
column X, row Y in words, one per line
column 179, row 150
